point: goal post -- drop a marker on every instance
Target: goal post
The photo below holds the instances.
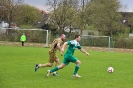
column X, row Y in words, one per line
column 47, row 39
column 42, row 36
column 97, row 41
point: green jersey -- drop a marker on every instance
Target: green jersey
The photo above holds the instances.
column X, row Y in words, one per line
column 72, row 46
column 23, row 38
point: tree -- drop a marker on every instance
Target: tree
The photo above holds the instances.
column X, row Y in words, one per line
column 103, row 14
column 28, row 15
column 130, row 22
column 8, row 10
column 80, row 20
column 63, row 12
column 3, row 10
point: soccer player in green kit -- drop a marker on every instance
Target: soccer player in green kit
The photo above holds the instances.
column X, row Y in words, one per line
column 68, row 57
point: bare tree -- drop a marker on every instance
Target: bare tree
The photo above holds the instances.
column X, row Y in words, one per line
column 8, row 11
column 62, row 12
column 3, row 10
column 82, row 15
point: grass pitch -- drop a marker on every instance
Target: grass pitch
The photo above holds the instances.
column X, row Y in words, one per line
column 17, row 69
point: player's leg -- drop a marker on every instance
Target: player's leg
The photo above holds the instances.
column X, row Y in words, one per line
column 43, row 65
column 76, row 69
column 58, row 67
column 77, row 62
column 57, row 63
column 55, row 69
column 63, row 64
column 49, row 64
column 52, row 58
column 22, row 43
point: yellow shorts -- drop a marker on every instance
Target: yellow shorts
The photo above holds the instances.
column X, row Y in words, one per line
column 52, row 56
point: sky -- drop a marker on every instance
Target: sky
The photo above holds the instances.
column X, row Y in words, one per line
column 41, row 4
column 128, row 4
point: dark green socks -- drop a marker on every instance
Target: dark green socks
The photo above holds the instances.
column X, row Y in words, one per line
column 76, row 69
column 54, row 69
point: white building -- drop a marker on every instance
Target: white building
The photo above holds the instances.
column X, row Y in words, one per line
column 3, row 27
column 4, row 24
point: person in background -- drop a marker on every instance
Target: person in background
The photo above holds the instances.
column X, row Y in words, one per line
column 23, row 38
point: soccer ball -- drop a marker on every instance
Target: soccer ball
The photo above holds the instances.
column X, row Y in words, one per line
column 110, row 69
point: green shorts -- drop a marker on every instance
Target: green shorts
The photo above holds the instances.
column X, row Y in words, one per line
column 69, row 58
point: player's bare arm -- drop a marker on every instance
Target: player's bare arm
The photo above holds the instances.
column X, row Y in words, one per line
column 63, row 47
column 59, row 48
column 84, row 51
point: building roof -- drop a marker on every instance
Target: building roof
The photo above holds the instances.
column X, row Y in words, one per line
column 42, row 11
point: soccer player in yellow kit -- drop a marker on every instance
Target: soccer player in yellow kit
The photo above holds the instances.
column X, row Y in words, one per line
column 56, row 45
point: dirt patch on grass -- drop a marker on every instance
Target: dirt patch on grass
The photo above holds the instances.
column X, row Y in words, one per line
column 111, row 49
column 85, row 47
column 20, row 44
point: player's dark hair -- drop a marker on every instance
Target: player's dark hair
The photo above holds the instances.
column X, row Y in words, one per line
column 76, row 36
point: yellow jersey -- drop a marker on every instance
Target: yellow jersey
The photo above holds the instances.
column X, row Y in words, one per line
column 53, row 47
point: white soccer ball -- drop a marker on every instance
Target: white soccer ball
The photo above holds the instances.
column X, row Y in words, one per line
column 110, row 69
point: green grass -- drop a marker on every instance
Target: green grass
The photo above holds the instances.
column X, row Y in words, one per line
column 17, row 69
